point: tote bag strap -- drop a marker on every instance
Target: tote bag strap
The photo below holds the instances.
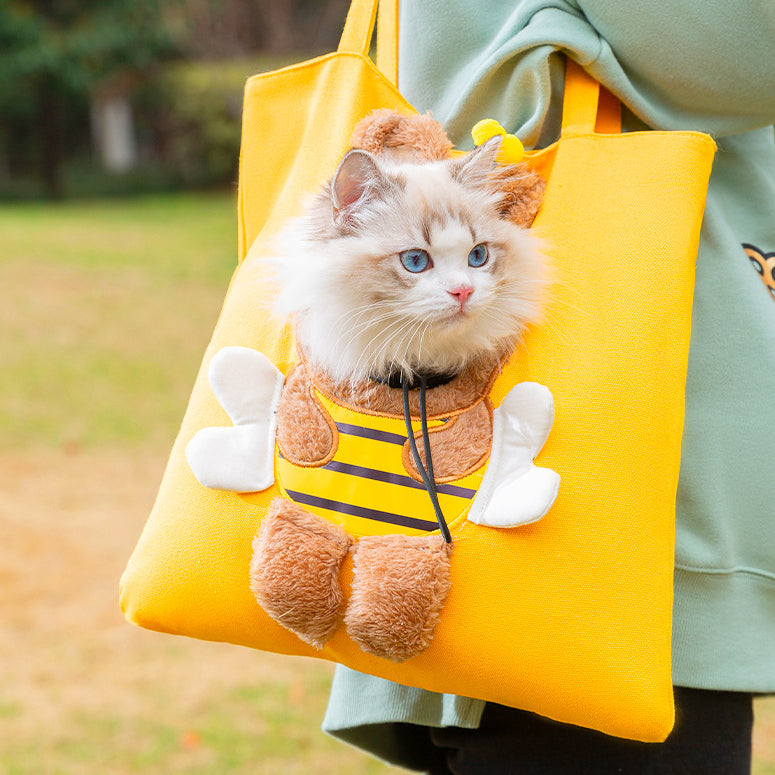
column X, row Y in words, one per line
column 358, row 29
column 587, row 107
column 387, row 40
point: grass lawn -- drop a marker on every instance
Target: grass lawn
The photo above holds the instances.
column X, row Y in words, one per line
column 106, row 310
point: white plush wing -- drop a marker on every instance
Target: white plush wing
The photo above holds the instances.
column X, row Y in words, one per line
column 239, row 458
column 514, row 490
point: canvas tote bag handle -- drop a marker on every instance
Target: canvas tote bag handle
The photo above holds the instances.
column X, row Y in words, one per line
column 387, row 40
column 586, row 106
column 358, row 29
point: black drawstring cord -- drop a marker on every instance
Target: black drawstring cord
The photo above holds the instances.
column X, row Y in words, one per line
column 425, row 473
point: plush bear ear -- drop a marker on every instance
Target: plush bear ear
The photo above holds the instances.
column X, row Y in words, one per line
column 356, row 181
column 519, row 188
column 410, row 138
column 521, row 191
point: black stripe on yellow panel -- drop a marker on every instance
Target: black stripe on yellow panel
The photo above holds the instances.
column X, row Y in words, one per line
column 370, row 433
column 402, row 481
column 360, row 511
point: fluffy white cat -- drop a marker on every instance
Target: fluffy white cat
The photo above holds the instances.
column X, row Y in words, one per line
column 405, row 268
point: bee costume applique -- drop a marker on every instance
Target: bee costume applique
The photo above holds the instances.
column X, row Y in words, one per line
column 374, row 469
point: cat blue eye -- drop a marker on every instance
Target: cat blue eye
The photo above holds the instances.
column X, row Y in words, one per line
column 415, row 260
column 478, row 255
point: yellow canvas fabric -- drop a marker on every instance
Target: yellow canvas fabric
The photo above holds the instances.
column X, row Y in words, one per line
column 569, row 617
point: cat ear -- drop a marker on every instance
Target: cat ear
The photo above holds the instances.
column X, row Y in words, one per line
column 476, row 167
column 356, row 181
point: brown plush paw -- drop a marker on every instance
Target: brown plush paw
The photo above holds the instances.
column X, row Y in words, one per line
column 294, row 573
column 399, row 587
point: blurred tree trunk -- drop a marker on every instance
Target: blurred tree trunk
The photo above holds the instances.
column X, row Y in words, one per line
column 50, row 126
column 234, row 28
column 113, row 132
column 278, row 20
column 54, row 53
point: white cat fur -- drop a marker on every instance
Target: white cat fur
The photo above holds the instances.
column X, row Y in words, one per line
column 359, row 313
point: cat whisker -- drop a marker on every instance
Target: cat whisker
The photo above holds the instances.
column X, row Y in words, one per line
column 562, row 334
column 353, row 327
column 400, row 337
column 405, row 362
column 366, row 312
column 406, row 337
column 354, row 331
column 421, row 342
column 372, row 360
column 553, row 300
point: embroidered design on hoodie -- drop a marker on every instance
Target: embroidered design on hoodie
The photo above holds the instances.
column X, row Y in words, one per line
column 764, row 264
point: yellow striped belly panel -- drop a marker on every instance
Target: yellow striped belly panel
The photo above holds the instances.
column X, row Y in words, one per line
column 365, row 487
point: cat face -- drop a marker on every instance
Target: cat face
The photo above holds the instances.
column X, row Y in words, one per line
column 408, row 267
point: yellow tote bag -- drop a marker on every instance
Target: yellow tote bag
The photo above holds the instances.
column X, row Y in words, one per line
column 569, row 617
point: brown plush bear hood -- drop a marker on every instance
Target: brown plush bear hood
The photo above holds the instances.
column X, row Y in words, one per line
column 465, row 390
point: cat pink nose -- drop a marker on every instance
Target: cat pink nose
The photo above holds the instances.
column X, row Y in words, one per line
column 461, row 293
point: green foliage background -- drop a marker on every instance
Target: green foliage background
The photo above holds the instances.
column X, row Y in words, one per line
column 55, row 55
column 76, row 44
column 181, row 64
column 107, row 308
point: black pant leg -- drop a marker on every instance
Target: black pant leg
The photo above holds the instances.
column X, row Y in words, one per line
column 712, row 737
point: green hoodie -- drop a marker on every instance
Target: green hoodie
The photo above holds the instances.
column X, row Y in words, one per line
column 675, row 64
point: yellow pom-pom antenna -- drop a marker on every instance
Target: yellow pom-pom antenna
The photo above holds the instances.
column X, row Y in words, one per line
column 511, row 151
column 486, row 130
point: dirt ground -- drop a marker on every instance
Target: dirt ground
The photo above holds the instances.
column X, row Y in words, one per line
column 67, row 657
column 69, row 522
